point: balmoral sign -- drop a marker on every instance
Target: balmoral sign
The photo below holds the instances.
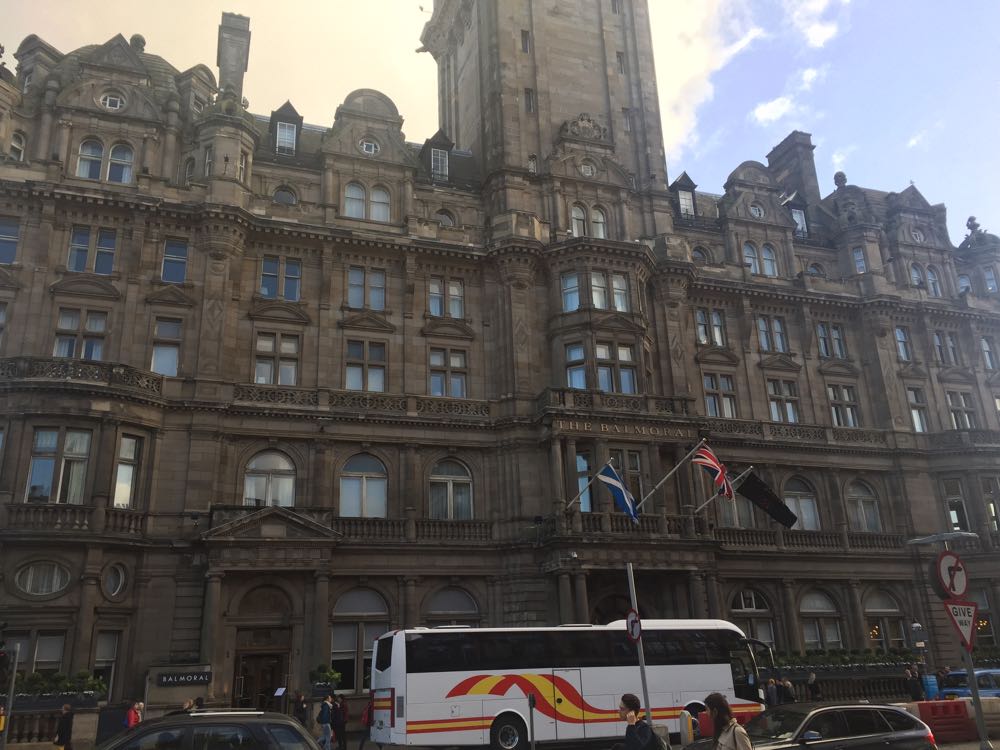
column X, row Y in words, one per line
column 176, row 679
column 593, row 427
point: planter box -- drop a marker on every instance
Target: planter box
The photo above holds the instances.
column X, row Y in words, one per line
column 55, row 701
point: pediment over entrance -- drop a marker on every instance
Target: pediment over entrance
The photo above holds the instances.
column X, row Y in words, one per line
column 272, row 523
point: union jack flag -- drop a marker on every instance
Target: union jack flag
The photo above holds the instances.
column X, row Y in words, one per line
column 707, row 460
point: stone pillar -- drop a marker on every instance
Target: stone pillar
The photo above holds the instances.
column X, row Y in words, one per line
column 569, row 480
column 65, row 135
column 321, row 619
column 411, row 605
column 84, row 640
column 715, row 609
column 210, row 616
column 582, row 605
column 565, row 599
column 699, row 596
column 42, row 145
column 792, row 629
column 558, row 482
column 168, row 165
column 858, row 628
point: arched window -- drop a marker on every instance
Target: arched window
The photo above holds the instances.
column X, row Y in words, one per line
column 700, row 256
column 380, row 205
column 363, row 485
column 120, row 164
column 964, row 283
column 801, row 498
column 770, row 262
column 189, row 171
column 269, row 480
column 933, row 284
column 863, row 508
column 88, row 166
column 750, row 258
column 285, row 196
column 451, row 606
column 444, row 218
column 354, row 201
column 815, row 269
column 886, row 629
column 451, row 492
column 752, row 614
column 17, row 147
column 820, row 622
column 916, row 275
column 599, row 223
column 359, row 617
column 579, row 221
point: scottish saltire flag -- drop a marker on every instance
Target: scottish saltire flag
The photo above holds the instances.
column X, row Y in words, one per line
column 623, row 498
column 707, row 460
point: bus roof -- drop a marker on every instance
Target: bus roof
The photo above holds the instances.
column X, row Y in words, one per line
column 616, row 625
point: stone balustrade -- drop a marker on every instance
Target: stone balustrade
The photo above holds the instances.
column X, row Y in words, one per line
column 50, row 516
column 75, row 370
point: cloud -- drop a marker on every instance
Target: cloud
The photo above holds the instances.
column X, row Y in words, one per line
column 839, row 157
column 916, row 139
column 772, row 111
column 691, row 42
column 811, row 19
column 810, row 76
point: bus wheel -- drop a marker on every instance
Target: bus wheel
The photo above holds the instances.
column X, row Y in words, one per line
column 508, row 733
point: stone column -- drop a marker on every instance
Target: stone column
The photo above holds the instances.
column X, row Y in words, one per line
column 858, row 628
column 42, row 145
column 168, row 164
column 792, row 629
column 321, row 619
column 582, row 605
column 84, row 640
column 411, row 605
column 558, row 482
column 65, row 134
column 699, row 596
column 565, row 599
column 210, row 616
column 715, row 610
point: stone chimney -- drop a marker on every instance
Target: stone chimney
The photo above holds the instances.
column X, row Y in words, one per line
column 234, row 52
column 793, row 165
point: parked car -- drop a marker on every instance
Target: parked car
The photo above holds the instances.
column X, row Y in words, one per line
column 956, row 684
column 824, row 726
column 215, row 730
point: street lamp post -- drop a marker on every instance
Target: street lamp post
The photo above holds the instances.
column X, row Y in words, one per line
column 970, row 670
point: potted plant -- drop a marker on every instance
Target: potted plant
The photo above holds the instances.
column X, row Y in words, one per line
column 324, row 679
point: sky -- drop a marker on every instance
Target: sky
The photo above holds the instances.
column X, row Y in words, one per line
column 892, row 91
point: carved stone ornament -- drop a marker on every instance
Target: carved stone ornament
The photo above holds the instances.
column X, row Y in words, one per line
column 584, row 127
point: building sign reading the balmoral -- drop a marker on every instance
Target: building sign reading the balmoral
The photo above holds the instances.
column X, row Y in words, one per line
column 593, row 427
column 174, row 679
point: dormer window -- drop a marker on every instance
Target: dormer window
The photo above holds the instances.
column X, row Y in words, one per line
column 285, row 140
column 686, row 198
column 370, row 147
column 112, row 102
column 799, row 217
column 756, row 211
column 439, row 164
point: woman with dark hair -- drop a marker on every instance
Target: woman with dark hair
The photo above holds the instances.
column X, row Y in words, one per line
column 729, row 735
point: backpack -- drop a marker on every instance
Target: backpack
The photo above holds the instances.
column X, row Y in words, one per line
column 366, row 716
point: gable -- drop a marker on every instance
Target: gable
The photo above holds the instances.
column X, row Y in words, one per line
column 779, row 362
column 912, row 370
column 716, row 355
column 913, row 198
column 280, row 311
column 956, row 375
column 170, row 294
column 367, row 321
column 838, row 367
column 448, row 328
column 271, row 523
column 85, row 286
column 615, row 322
column 116, row 53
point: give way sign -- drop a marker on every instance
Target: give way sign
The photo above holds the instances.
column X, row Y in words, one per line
column 963, row 617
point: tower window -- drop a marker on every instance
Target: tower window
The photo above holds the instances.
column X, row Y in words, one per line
column 285, row 139
column 439, row 164
column 525, row 40
column 620, row 56
column 529, row 101
column 616, row 6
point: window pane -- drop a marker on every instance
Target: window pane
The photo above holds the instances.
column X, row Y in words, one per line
column 376, row 379
column 375, row 497
column 123, row 485
column 97, row 322
column 355, row 378
column 40, row 479
column 437, row 384
column 288, row 372
column 439, row 500
column 165, row 357
column 458, row 385
column 376, row 352
column 264, row 372
column 462, row 500
column 282, row 490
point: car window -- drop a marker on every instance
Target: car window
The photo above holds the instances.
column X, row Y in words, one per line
column 899, row 720
column 224, row 737
column 954, row 680
column 984, row 680
column 829, row 724
column 775, row 723
column 865, row 721
column 288, row 737
column 160, row 739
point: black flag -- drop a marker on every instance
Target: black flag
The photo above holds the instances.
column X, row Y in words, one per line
column 755, row 489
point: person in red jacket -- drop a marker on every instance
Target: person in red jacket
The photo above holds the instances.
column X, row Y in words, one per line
column 132, row 717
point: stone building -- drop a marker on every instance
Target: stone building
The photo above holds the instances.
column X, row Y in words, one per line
column 269, row 389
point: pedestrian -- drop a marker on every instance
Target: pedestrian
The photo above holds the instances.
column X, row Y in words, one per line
column 729, row 735
column 64, row 729
column 141, row 708
column 813, row 687
column 913, row 685
column 338, row 720
column 324, row 718
column 787, row 691
column 300, row 708
column 367, row 721
column 638, row 734
column 771, row 693
column 132, row 717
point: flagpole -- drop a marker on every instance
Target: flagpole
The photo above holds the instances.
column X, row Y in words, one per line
column 671, row 473
column 701, row 507
column 587, row 485
column 638, row 643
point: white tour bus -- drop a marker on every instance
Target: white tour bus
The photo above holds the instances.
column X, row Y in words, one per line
column 470, row 686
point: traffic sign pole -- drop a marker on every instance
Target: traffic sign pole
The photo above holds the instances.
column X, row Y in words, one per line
column 638, row 643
